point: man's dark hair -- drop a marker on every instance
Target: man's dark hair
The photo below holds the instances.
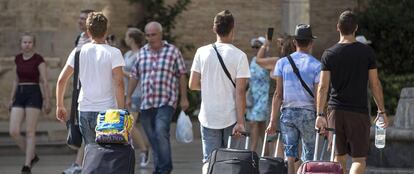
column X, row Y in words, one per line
column 87, row 11
column 303, row 42
column 96, row 24
column 223, row 23
column 347, row 22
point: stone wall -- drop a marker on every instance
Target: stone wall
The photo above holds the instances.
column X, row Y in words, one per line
column 54, row 22
column 323, row 18
column 252, row 20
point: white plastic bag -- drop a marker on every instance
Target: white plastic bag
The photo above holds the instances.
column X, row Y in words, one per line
column 184, row 129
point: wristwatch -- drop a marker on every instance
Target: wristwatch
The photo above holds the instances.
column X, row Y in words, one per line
column 321, row 114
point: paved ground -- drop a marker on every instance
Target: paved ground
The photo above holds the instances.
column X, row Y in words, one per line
column 186, row 158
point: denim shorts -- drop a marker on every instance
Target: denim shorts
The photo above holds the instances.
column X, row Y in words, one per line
column 298, row 124
column 28, row 96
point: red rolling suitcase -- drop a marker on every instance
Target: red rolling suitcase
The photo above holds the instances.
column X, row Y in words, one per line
column 272, row 165
column 320, row 166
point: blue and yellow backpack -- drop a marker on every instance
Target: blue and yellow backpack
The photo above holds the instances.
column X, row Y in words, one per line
column 113, row 127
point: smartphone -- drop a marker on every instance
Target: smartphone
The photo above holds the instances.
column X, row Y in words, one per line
column 270, row 33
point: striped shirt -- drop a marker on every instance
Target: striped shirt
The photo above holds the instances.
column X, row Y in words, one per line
column 158, row 74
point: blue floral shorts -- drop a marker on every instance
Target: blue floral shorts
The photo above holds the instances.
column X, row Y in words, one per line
column 298, row 124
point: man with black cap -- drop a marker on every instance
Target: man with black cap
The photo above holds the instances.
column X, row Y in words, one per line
column 294, row 97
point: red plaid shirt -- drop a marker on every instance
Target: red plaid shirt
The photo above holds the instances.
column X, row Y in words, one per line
column 158, row 74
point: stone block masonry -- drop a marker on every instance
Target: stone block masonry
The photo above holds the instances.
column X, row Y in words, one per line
column 54, row 22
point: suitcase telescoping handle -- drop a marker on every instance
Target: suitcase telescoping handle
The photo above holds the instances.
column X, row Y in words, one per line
column 315, row 154
column 246, row 145
column 265, row 141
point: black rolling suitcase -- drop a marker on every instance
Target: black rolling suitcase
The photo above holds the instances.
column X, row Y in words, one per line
column 272, row 165
column 234, row 161
column 109, row 159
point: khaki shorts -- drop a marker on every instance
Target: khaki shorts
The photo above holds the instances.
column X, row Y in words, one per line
column 352, row 132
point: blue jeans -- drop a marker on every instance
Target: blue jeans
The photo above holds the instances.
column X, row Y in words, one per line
column 296, row 124
column 214, row 138
column 87, row 124
column 156, row 123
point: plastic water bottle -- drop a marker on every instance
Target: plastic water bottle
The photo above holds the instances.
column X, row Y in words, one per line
column 380, row 133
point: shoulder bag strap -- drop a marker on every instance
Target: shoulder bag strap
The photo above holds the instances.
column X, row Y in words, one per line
column 296, row 71
column 223, row 65
column 76, row 88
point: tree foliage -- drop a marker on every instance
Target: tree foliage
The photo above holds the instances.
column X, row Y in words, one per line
column 390, row 26
column 158, row 10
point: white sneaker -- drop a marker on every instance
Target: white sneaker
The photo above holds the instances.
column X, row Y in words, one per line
column 73, row 169
column 144, row 157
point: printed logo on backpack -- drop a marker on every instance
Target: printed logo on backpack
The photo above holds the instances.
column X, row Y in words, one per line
column 113, row 126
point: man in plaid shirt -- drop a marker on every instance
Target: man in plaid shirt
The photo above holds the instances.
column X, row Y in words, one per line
column 160, row 70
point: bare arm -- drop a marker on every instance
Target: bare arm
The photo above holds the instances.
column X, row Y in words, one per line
column 195, row 81
column 64, row 76
column 321, row 97
column 276, row 104
column 119, row 86
column 45, row 85
column 240, row 104
column 315, row 87
column 184, row 104
column 263, row 61
column 376, row 89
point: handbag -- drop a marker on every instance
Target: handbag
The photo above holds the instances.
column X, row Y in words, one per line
column 74, row 138
column 296, row 71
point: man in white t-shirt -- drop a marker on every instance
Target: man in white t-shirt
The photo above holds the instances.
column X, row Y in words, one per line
column 81, row 39
column 100, row 73
column 223, row 100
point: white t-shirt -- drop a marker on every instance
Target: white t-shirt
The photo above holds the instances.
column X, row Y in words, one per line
column 218, row 107
column 96, row 62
